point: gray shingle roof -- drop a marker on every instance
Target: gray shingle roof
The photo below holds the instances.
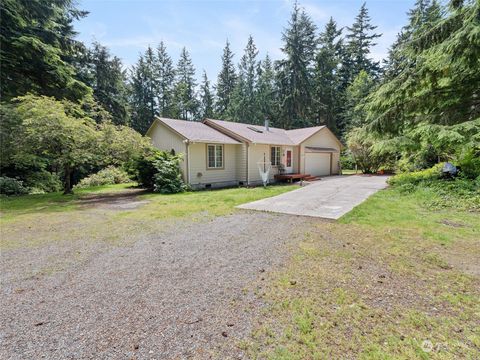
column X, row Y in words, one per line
column 300, row 135
column 196, row 131
column 257, row 134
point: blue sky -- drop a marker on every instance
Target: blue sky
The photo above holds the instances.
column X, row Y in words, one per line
column 127, row 27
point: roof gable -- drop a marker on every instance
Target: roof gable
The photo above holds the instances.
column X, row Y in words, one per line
column 253, row 133
column 196, row 131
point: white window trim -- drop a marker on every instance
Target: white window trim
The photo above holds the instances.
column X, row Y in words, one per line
column 278, row 155
column 215, row 146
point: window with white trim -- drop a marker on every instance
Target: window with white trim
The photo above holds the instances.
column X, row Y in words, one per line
column 214, row 156
column 275, row 155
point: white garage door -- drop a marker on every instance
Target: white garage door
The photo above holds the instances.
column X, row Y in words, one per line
column 317, row 164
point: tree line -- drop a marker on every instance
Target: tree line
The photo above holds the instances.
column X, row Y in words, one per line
column 416, row 107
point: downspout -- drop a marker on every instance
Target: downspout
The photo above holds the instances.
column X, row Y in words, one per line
column 187, row 160
column 248, row 155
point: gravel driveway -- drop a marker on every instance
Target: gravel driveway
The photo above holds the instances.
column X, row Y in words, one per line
column 190, row 291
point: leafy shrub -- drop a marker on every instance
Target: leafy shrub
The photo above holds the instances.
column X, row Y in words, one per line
column 469, row 164
column 168, row 179
column 108, row 176
column 43, row 182
column 11, row 186
column 416, row 177
column 143, row 168
column 460, row 193
column 347, row 161
column 159, row 171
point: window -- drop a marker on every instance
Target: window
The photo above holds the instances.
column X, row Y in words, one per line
column 275, row 155
column 215, row 156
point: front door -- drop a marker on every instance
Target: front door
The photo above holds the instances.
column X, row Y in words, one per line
column 288, row 160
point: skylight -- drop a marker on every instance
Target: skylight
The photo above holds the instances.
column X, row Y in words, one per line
column 254, row 129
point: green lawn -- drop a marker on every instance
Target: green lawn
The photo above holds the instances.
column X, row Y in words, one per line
column 390, row 280
column 33, row 220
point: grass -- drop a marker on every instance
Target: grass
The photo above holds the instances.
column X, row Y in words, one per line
column 391, row 280
column 33, row 220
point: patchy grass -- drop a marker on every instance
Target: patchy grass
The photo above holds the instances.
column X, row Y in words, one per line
column 14, row 206
column 391, row 279
column 97, row 213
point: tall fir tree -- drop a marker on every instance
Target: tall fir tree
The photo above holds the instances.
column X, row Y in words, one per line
column 327, row 92
column 143, row 95
column 295, row 71
column 359, row 41
column 423, row 15
column 244, row 103
column 38, row 48
column 226, row 81
column 266, row 91
column 206, row 98
column 106, row 76
column 185, row 101
column 164, row 74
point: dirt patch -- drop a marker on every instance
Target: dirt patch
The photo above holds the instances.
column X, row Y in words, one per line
column 124, row 200
column 452, row 223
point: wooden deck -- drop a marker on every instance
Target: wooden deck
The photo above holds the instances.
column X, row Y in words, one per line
column 291, row 177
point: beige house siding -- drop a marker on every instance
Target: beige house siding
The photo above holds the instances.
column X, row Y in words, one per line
column 165, row 139
column 198, row 165
column 255, row 155
column 324, row 138
column 242, row 162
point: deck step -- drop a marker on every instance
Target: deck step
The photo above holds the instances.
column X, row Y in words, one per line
column 311, row 178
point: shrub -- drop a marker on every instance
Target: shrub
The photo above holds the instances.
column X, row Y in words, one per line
column 159, row 171
column 417, row 177
column 469, row 164
column 347, row 161
column 108, row 176
column 168, row 179
column 11, row 186
column 43, row 182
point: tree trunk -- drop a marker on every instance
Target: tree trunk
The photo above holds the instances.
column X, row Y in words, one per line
column 67, row 184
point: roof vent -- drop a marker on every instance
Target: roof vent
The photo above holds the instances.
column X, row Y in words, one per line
column 267, row 128
column 254, row 129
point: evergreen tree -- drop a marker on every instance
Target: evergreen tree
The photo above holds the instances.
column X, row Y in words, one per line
column 106, row 76
column 360, row 40
column 38, row 47
column 424, row 14
column 434, row 105
column 355, row 95
column 164, row 78
column 244, row 104
column 143, row 98
column 295, row 71
column 185, row 101
column 225, row 83
column 206, row 98
column 327, row 92
column 266, row 91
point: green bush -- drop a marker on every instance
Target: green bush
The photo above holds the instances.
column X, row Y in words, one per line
column 460, row 193
column 168, row 179
column 43, row 182
column 108, row 176
column 417, row 177
column 469, row 164
column 11, row 186
column 347, row 161
column 159, row 171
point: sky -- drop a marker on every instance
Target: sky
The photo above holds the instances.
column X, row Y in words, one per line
column 127, row 27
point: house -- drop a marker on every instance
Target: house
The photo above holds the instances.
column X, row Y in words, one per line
column 219, row 153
